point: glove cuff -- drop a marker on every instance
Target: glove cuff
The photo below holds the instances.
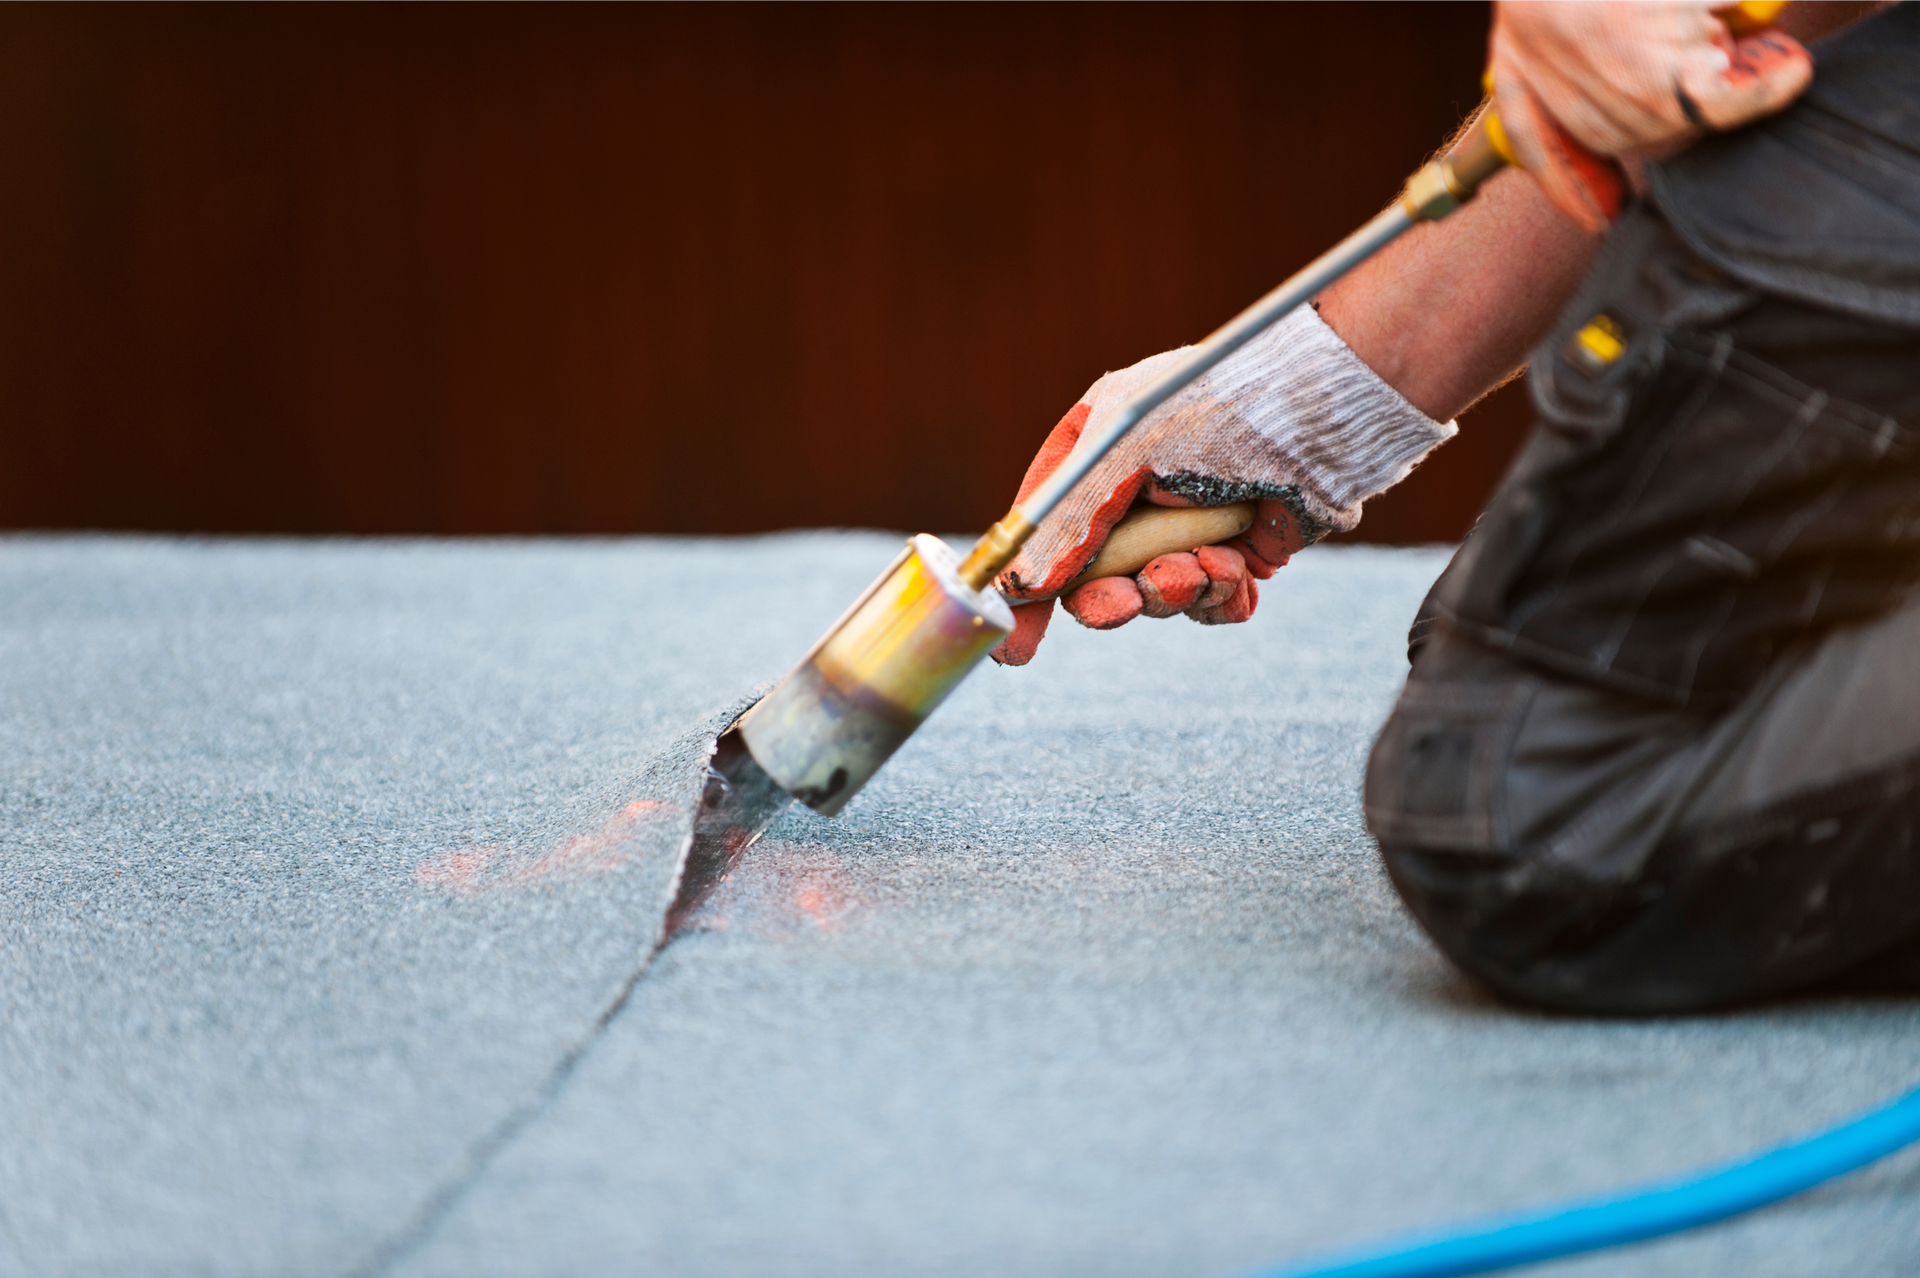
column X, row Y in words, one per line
column 1347, row 433
column 1293, row 417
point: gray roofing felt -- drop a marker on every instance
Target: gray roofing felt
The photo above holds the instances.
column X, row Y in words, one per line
column 332, row 872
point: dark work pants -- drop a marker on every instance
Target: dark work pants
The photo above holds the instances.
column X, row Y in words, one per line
column 1587, row 849
column 1660, row 746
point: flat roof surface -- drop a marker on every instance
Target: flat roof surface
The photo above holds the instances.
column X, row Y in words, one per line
column 335, row 872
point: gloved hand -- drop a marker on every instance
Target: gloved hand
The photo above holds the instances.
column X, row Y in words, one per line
column 1575, row 80
column 1292, row 420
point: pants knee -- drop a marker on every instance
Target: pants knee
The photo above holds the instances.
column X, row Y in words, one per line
column 1550, row 938
column 1685, row 934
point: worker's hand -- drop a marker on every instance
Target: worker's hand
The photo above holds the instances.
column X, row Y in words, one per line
column 1578, row 80
column 1211, row 584
column 1293, row 421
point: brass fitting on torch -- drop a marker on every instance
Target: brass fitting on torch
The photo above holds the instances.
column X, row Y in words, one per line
column 996, row 549
column 1450, row 180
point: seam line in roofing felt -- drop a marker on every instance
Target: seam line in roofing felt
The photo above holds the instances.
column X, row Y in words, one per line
column 679, row 774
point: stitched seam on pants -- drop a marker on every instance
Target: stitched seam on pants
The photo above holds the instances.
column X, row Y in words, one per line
column 1499, row 810
column 1810, row 412
column 1562, row 662
column 1566, row 847
column 1809, row 409
column 1630, row 494
column 1478, row 708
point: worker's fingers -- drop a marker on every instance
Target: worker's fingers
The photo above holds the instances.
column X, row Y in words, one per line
column 1237, row 607
column 1274, row 538
column 1230, row 592
column 1587, row 187
column 1763, row 73
column 1256, row 566
column 1213, row 585
column 1606, row 72
column 1577, row 82
column 1578, row 182
column 1170, row 584
column 1226, row 568
column 1029, row 628
column 1104, row 602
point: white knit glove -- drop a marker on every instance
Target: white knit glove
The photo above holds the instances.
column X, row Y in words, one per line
column 1574, row 80
column 1293, row 420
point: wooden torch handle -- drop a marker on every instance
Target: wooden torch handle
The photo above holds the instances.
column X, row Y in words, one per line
column 1152, row 531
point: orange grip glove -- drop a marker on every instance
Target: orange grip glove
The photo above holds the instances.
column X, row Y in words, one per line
column 1292, row 421
column 1211, row 584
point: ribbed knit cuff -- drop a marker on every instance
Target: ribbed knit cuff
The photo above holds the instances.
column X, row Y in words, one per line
column 1308, row 394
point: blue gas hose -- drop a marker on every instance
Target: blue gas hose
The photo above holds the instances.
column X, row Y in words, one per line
column 1662, row 1208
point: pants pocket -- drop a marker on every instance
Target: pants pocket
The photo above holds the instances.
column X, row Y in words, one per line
column 1434, row 778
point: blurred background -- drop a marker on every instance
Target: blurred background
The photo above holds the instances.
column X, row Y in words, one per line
column 660, row 268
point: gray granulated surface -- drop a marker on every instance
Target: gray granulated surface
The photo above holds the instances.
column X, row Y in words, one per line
column 330, row 866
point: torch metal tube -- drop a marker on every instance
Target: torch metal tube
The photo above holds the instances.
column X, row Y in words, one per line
column 875, row 677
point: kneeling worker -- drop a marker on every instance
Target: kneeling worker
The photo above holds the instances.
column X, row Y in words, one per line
column 1660, row 746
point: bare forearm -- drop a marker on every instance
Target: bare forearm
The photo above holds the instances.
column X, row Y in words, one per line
column 1450, row 310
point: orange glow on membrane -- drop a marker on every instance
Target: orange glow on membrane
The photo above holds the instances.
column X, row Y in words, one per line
column 602, row 851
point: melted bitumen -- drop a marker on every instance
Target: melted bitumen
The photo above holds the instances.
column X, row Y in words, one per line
column 739, row 804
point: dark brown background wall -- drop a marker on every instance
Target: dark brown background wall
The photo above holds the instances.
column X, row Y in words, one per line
column 452, row 269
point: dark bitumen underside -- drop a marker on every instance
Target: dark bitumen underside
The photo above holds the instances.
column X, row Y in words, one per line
column 737, row 806
column 337, row 888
